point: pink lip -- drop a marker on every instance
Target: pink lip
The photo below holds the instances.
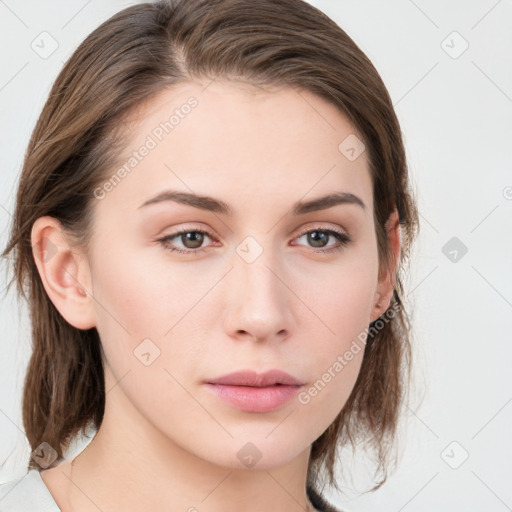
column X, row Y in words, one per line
column 255, row 399
column 252, row 392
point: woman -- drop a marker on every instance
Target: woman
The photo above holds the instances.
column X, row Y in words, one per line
column 211, row 222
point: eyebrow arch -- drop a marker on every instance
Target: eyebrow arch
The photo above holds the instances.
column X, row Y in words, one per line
column 217, row 206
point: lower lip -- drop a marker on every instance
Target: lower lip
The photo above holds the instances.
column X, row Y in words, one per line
column 252, row 399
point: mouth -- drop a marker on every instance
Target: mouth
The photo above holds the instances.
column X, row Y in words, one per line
column 255, row 399
column 253, row 379
column 254, row 392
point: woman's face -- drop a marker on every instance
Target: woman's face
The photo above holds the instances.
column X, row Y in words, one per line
column 268, row 285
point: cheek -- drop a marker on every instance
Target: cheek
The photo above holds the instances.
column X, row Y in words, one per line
column 334, row 359
column 341, row 297
column 342, row 318
column 326, row 395
column 140, row 298
column 150, row 307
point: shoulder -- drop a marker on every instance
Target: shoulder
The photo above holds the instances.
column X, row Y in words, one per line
column 27, row 493
column 319, row 502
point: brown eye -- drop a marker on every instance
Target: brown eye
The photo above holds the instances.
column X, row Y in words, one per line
column 318, row 238
column 195, row 240
column 191, row 239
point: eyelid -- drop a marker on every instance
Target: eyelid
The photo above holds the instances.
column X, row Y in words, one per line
column 321, row 227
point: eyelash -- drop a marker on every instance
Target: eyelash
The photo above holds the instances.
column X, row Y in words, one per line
column 342, row 238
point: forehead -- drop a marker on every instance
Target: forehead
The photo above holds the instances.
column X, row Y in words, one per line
column 229, row 139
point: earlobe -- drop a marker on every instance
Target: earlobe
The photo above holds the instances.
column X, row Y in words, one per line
column 387, row 281
column 64, row 272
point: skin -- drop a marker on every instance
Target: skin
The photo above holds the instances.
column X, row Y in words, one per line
column 166, row 443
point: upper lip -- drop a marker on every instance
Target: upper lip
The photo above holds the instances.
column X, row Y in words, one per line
column 252, row 378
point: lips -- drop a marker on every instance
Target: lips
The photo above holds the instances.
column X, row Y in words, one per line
column 253, row 379
column 255, row 393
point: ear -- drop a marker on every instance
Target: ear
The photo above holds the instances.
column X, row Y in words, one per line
column 387, row 279
column 64, row 272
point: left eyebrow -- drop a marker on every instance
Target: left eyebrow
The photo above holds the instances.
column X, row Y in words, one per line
column 323, row 203
column 217, row 206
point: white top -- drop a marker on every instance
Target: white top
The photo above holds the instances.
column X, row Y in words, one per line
column 28, row 493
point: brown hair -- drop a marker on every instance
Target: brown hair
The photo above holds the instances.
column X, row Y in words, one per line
column 127, row 60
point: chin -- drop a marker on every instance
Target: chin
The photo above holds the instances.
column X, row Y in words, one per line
column 256, row 453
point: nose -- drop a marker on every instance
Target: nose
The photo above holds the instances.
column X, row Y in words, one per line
column 258, row 301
